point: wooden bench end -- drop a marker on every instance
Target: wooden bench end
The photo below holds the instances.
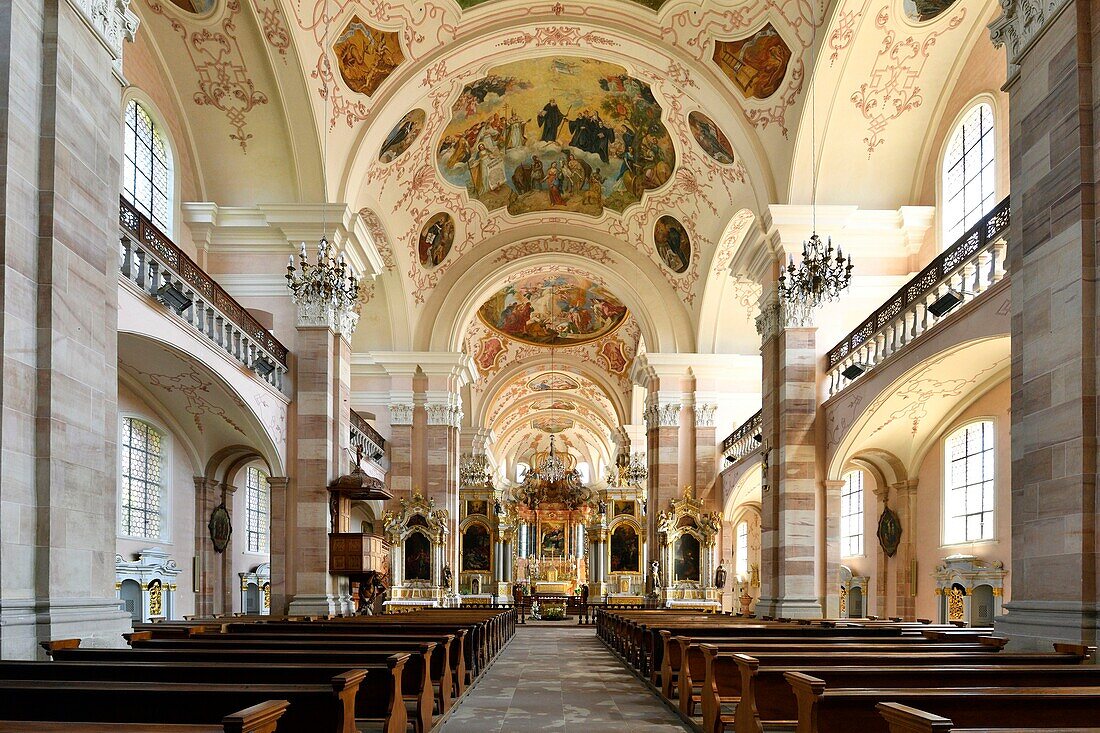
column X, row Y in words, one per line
column 904, row 719
column 261, row 718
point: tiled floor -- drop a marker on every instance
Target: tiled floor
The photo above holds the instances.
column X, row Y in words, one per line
column 560, row 678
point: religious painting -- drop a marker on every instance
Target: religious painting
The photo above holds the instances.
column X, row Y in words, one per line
column 621, row 507
column 922, row 10
column 198, row 7
column 490, row 350
column 553, row 539
column 757, row 64
column 554, row 404
column 685, row 558
column 366, row 55
column 624, row 549
column 221, row 527
column 673, row 243
column 552, row 425
column 711, row 138
column 402, row 136
column 613, row 356
column 651, row 4
column 436, row 238
column 475, row 548
column 477, row 506
column 553, row 310
column 418, row 557
column 552, row 382
column 557, row 133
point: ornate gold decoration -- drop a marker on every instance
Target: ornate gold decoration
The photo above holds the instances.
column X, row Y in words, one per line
column 843, row 601
column 956, row 608
column 998, row 592
column 267, row 595
column 156, row 598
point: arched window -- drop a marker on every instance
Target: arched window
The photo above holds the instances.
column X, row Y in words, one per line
column 741, row 553
column 256, row 508
column 851, row 514
column 968, row 185
column 142, row 468
column 968, row 484
column 147, row 167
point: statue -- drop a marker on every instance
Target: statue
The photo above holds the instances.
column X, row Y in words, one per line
column 720, row 576
column 601, row 506
column 655, row 573
column 447, row 576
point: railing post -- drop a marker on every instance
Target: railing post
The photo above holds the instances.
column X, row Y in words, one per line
column 127, row 256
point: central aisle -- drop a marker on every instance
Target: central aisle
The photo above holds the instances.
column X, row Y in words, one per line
column 560, row 678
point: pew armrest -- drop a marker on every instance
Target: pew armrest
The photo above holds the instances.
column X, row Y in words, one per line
column 904, row 719
column 51, row 646
column 260, row 718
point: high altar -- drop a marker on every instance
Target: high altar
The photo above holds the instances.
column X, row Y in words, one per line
column 552, row 561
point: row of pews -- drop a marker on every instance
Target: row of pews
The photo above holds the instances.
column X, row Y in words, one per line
column 727, row 673
column 257, row 674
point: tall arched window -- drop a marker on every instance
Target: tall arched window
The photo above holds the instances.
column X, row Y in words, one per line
column 741, row 553
column 147, row 167
column 256, row 508
column 142, row 468
column 968, row 185
column 851, row 514
column 968, row 484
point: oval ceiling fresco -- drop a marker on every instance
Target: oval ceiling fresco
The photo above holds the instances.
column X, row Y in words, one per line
column 552, row 382
column 557, row 133
column 922, row 10
column 553, row 310
column 711, row 138
column 403, row 135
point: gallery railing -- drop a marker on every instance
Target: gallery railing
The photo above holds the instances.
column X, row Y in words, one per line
column 366, row 437
column 744, row 440
column 971, row 266
column 149, row 259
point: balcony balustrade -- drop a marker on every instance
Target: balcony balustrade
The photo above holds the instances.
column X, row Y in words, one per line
column 970, row 267
column 366, row 437
column 743, row 441
column 150, row 260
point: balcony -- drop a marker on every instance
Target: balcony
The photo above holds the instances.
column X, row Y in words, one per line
column 365, row 437
column 744, row 441
column 152, row 262
column 963, row 273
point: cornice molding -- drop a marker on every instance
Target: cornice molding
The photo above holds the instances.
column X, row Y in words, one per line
column 1020, row 25
column 112, row 22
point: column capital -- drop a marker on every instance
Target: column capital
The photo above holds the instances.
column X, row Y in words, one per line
column 112, row 21
column 401, row 413
column 662, row 414
column 904, row 489
column 704, row 414
column 1022, row 22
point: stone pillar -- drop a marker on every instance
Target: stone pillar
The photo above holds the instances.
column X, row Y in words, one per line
column 441, row 465
column 61, row 116
column 662, row 420
column 323, row 441
column 882, row 578
column 1055, row 574
column 789, row 513
column 401, row 447
column 706, row 453
column 905, row 573
column 207, row 497
column 829, row 520
column 279, row 486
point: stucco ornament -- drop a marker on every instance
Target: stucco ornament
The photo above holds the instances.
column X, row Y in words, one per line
column 112, row 21
column 1020, row 22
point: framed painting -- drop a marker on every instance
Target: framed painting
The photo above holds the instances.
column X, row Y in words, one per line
column 477, row 506
column 625, row 507
column 685, row 558
column 625, row 554
column 475, row 548
column 418, row 557
column 553, row 539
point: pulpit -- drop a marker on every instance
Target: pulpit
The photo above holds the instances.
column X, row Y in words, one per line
column 355, row 553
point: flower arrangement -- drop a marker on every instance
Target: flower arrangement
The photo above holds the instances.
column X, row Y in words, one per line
column 554, row 613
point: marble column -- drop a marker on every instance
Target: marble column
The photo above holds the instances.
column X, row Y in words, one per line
column 400, row 444
column 789, row 508
column 60, row 163
column 207, row 497
column 882, row 573
column 905, row 572
column 662, row 420
column 706, row 453
column 278, row 539
column 828, row 518
column 441, row 467
column 1053, row 92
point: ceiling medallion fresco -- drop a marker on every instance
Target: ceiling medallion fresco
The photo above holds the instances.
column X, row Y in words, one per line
column 922, row 10
column 554, row 404
column 555, row 381
column 651, row 4
column 552, row 425
column 436, row 239
column 756, row 64
column 711, row 138
column 553, row 310
column 557, row 133
column 197, row 7
column 402, row 136
column 366, row 56
column 673, row 243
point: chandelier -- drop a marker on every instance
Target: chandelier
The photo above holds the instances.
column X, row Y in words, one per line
column 820, row 277
column 325, row 289
column 630, row 471
column 552, row 481
column 475, row 471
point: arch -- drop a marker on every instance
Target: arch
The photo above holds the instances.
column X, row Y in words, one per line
column 747, row 490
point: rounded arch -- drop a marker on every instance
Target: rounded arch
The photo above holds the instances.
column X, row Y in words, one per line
column 164, row 416
column 747, row 489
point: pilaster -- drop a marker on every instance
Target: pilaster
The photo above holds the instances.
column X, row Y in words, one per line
column 904, row 560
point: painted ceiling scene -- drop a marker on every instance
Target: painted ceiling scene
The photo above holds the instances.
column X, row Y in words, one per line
column 556, row 187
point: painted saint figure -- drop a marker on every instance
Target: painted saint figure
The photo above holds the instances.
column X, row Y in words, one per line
column 550, row 119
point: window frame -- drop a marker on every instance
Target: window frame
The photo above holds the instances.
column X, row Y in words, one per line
column 165, row 534
column 172, row 188
column 265, row 534
column 946, row 237
column 945, row 539
column 861, row 523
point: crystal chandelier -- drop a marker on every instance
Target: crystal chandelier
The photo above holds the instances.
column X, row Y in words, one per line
column 820, row 277
column 628, row 472
column 475, row 471
column 327, row 290
column 552, row 481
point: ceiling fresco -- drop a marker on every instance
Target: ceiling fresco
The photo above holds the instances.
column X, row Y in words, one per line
column 557, row 133
column 366, row 55
column 553, row 310
column 403, row 135
column 924, row 10
column 555, row 381
column 756, row 64
column 466, row 4
column 711, row 138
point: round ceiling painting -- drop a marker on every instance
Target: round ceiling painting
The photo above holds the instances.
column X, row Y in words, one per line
column 553, row 310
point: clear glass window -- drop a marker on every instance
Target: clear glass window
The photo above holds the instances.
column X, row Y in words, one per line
column 741, row 553
column 851, row 515
column 146, row 168
column 968, row 186
column 968, row 484
column 142, row 463
column 257, row 509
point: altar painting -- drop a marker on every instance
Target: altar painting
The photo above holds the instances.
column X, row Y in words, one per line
column 624, row 549
column 553, row 539
column 477, row 506
column 561, row 133
column 418, row 557
column 757, row 64
column 685, row 558
column 553, row 310
column 621, row 507
column 475, row 548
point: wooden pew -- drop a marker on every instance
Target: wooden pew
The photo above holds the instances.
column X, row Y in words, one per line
column 904, row 719
column 261, row 718
column 321, row 708
column 377, row 697
column 822, row 710
column 723, row 682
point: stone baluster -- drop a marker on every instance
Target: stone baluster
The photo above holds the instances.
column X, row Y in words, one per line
column 127, row 257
